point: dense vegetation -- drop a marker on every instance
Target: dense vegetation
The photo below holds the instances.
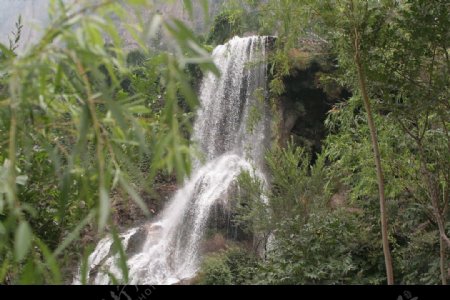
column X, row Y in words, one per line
column 392, row 56
column 82, row 120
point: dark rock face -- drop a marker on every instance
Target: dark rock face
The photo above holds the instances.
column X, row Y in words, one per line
column 135, row 243
column 222, row 219
column 304, row 108
column 305, row 103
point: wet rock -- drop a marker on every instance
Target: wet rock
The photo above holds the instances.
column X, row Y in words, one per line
column 187, row 281
column 222, row 217
column 307, row 99
column 136, row 241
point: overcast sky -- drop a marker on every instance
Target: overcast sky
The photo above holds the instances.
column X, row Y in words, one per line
column 34, row 15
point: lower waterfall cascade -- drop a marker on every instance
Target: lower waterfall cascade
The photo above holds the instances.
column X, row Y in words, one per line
column 232, row 139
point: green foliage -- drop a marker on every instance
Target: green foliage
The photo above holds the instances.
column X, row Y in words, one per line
column 405, row 187
column 80, row 119
column 14, row 40
column 237, row 17
column 226, row 24
column 331, row 248
column 215, row 271
column 287, row 20
column 251, row 212
column 255, row 113
column 320, row 238
column 414, row 242
column 232, row 266
column 315, row 243
column 295, row 188
column 311, row 242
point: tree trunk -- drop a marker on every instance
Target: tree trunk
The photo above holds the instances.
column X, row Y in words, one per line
column 432, row 184
column 433, row 189
column 443, row 260
column 379, row 169
column 439, row 215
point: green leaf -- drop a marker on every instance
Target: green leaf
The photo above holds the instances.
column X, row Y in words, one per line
column 2, row 228
column 155, row 25
column 74, row 234
column 4, row 269
column 122, row 255
column 137, row 2
column 139, row 109
column 22, row 240
column 50, row 261
column 104, row 208
column 21, row 179
column 134, row 195
column 188, row 6
column 84, row 268
column 6, row 51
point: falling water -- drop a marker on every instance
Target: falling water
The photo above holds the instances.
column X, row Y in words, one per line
column 232, row 130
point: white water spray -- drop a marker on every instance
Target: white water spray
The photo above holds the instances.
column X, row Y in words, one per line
column 232, row 129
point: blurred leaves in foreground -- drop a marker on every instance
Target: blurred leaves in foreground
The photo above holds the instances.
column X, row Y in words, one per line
column 79, row 120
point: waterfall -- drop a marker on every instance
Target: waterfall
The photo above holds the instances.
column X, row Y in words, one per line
column 232, row 130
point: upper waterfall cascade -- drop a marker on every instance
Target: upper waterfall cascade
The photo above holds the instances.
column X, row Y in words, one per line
column 232, row 130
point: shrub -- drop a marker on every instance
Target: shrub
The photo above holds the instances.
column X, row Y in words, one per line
column 232, row 266
column 215, row 271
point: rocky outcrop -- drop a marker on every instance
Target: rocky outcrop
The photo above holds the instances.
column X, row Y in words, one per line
column 127, row 213
column 307, row 98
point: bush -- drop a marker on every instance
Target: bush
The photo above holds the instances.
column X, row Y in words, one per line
column 215, row 271
column 226, row 24
column 331, row 248
column 233, row 266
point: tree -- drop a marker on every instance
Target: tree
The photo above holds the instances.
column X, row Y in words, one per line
column 356, row 24
column 347, row 25
column 405, row 59
column 409, row 66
